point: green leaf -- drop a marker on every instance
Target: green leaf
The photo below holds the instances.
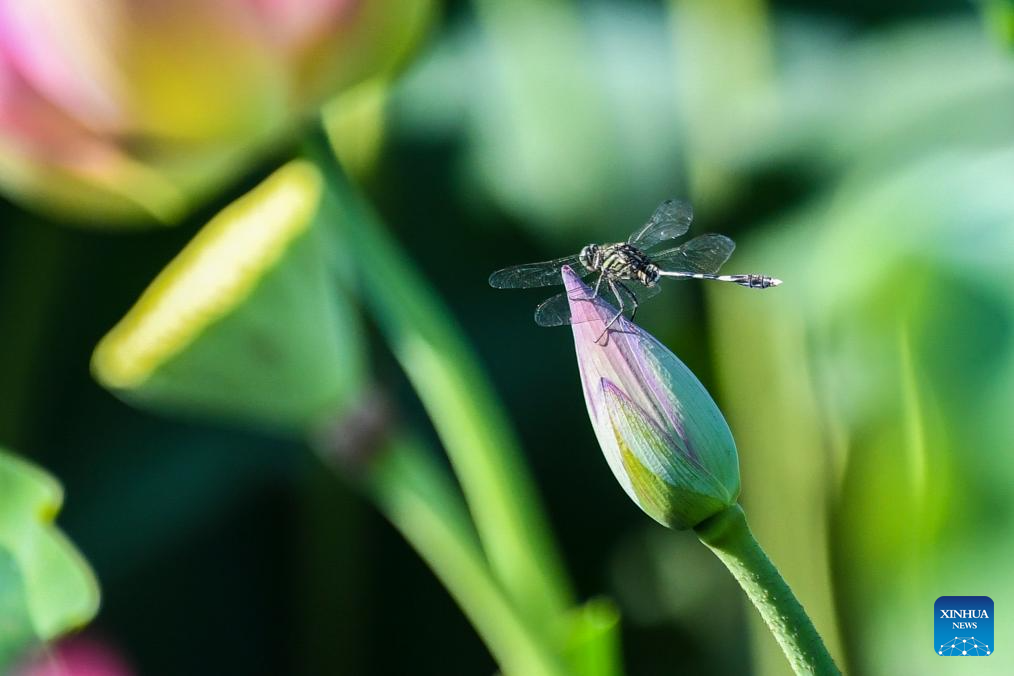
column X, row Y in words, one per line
column 518, row 133
column 16, row 630
column 999, row 17
column 59, row 592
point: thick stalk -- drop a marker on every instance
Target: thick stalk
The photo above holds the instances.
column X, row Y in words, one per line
column 728, row 536
column 460, row 401
column 412, row 492
column 33, row 268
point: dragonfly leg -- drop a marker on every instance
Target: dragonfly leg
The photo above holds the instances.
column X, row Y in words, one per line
column 619, row 313
column 633, row 299
column 595, row 293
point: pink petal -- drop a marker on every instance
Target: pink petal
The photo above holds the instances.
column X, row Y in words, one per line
column 78, row 656
column 63, row 50
column 296, row 23
column 618, row 357
column 31, row 125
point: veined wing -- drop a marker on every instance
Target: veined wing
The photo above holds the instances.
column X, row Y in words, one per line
column 704, row 254
column 555, row 310
column 530, row 275
column 670, row 220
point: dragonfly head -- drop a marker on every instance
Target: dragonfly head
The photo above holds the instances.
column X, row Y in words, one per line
column 591, row 257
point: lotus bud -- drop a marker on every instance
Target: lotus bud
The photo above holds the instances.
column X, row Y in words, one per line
column 121, row 112
column 662, row 434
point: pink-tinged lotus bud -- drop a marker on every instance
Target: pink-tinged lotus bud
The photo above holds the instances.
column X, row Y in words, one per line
column 128, row 111
column 662, row 434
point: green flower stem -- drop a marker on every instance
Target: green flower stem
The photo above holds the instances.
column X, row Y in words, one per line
column 459, row 400
column 728, row 536
column 33, row 269
column 413, row 493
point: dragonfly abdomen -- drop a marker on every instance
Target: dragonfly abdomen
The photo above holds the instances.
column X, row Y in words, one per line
column 749, row 281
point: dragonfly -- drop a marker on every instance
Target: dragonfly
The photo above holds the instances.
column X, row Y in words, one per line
column 629, row 272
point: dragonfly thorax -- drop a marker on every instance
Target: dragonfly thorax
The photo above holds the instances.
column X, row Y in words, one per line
column 620, row 261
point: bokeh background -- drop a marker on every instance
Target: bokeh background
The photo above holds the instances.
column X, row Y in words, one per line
column 861, row 151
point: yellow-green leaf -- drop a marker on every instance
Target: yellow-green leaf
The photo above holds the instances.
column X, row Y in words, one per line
column 57, row 588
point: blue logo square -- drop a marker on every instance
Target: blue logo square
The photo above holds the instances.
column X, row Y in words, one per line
column 963, row 626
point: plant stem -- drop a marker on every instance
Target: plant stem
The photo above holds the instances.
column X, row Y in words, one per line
column 417, row 498
column 728, row 536
column 33, row 268
column 460, row 401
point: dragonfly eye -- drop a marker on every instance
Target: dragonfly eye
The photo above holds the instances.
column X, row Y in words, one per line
column 589, row 256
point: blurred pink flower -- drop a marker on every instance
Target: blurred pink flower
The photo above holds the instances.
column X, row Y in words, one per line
column 77, row 656
column 133, row 109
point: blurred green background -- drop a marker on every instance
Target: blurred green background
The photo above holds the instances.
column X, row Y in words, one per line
column 861, row 151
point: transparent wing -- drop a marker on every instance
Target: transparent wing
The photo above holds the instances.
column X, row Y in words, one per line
column 555, row 310
column 530, row 275
column 670, row 220
column 705, row 254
